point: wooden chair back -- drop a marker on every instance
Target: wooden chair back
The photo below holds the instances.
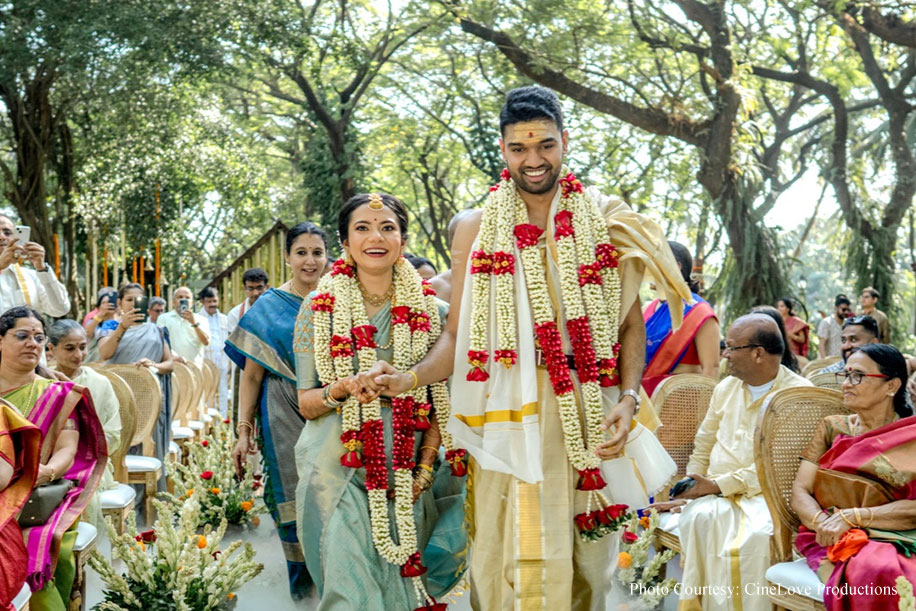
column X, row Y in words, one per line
column 785, row 427
column 824, row 380
column 128, row 411
column 213, row 386
column 818, row 364
column 148, row 399
column 194, row 408
column 183, row 392
column 682, row 401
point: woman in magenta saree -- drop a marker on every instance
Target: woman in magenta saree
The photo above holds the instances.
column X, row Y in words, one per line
column 855, row 491
column 691, row 348
column 72, row 444
column 20, row 441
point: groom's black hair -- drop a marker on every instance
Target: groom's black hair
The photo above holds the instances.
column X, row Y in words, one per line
column 529, row 104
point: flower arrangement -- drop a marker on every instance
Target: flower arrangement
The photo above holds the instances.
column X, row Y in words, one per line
column 591, row 290
column 635, row 569
column 905, row 591
column 210, row 476
column 172, row 566
column 343, row 334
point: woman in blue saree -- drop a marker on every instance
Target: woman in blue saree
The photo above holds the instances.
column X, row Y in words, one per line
column 262, row 347
column 691, row 348
column 355, row 479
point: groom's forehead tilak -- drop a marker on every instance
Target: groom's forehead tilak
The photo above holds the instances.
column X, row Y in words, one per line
column 530, row 132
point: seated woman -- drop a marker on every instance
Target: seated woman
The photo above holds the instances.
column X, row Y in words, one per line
column 796, row 329
column 69, row 343
column 373, row 306
column 855, row 491
column 138, row 342
column 20, row 442
column 693, row 347
column 73, row 449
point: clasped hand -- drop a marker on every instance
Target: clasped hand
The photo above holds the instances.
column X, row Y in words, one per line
column 381, row 380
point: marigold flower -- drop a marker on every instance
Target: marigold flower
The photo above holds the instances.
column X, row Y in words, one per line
column 214, row 490
column 256, row 520
column 201, row 542
column 247, row 505
column 644, row 522
column 190, row 492
column 624, row 560
column 230, row 595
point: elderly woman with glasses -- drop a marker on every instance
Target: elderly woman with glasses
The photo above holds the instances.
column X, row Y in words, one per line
column 73, row 449
column 855, row 490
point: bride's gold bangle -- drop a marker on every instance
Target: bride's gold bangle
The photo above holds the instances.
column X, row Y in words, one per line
column 416, row 381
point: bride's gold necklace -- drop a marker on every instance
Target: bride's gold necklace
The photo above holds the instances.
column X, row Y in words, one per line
column 376, row 300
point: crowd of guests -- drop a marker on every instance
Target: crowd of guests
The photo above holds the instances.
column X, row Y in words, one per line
column 855, row 490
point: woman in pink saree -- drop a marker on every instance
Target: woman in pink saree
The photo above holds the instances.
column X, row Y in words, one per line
column 796, row 329
column 72, row 444
column 855, row 491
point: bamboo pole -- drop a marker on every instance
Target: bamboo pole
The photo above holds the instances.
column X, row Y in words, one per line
column 94, row 256
column 134, row 274
column 105, row 265
column 158, row 271
column 142, row 269
column 57, row 255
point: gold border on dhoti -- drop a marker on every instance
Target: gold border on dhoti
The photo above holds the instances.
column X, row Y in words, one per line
column 501, row 415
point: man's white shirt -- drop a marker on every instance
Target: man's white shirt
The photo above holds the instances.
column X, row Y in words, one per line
column 22, row 286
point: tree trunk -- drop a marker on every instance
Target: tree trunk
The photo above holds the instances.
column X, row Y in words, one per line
column 33, row 124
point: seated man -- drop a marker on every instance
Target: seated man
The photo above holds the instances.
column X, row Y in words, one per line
column 857, row 331
column 725, row 527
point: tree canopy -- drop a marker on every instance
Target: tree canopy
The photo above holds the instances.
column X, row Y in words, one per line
column 199, row 124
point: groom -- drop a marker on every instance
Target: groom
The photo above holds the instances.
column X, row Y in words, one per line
column 509, row 415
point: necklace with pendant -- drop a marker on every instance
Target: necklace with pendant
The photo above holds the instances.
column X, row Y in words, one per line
column 376, row 300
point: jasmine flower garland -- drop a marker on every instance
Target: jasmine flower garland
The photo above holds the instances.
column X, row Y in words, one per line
column 342, row 332
column 590, row 292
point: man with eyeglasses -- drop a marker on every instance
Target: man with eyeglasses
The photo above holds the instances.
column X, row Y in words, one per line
column 724, row 518
column 830, row 329
column 857, row 331
column 256, row 283
column 35, row 287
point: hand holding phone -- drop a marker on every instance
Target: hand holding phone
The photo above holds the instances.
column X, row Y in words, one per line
column 682, row 486
column 141, row 304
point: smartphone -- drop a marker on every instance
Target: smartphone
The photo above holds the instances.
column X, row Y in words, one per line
column 23, row 233
column 142, row 305
column 111, row 298
column 682, row 486
column 183, row 305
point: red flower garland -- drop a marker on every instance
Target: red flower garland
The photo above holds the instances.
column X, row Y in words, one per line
column 503, row 263
column 323, row 302
column 478, row 362
column 481, row 262
column 363, row 336
column 527, row 235
column 340, row 266
column 583, row 350
column 564, row 226
column 341, row 346
column 551, row 343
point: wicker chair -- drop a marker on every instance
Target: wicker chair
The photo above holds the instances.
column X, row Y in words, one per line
column 824, row 380
column 818, row 364
column 145, row 469
column 119, row 502
column 785, row 426
column 213, row 390
column 682, row 401
column 182, row 395
column 195, row 407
